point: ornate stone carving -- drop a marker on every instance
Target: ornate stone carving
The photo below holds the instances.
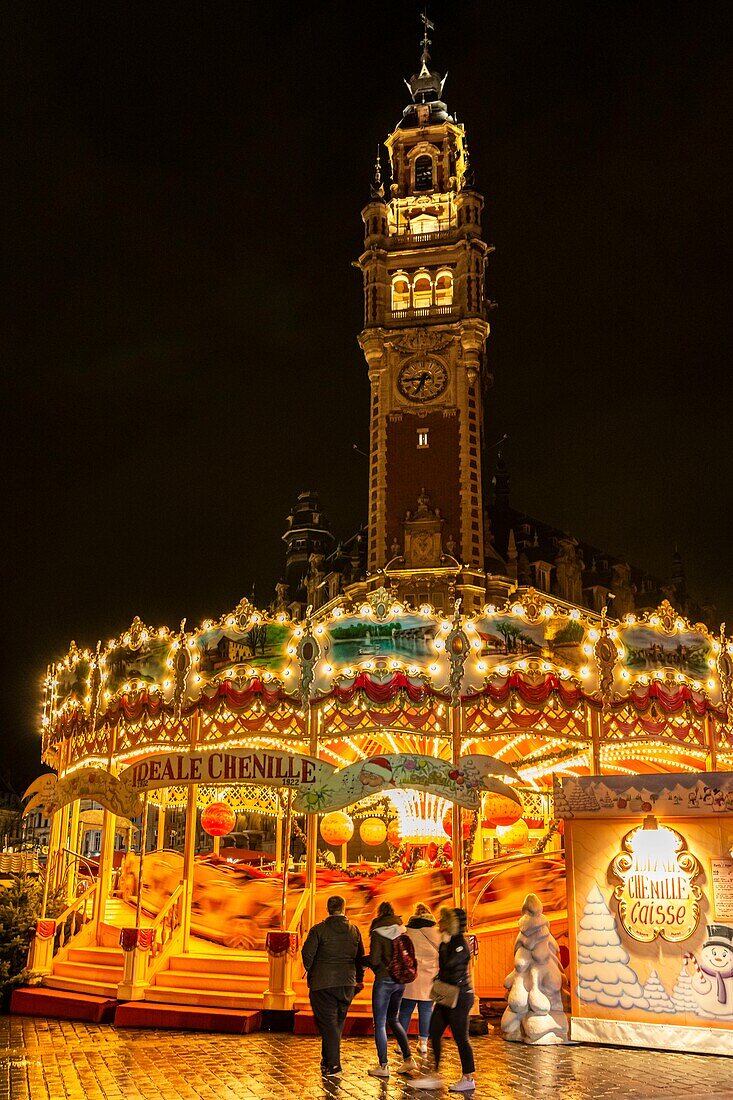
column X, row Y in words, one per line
column 423, row 535
column 569, row 565
column 422, row 340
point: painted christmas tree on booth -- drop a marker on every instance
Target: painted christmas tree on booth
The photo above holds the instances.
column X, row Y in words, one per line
column 683, row 996
column 534, row 1012
column 604, row 975
column 656, row 995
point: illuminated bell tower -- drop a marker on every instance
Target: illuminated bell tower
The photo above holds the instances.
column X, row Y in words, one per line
column 424, row 334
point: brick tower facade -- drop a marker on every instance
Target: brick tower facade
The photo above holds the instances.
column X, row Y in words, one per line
column 425, row 328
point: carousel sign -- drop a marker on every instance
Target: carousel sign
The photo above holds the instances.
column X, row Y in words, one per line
column 276, row 769
column 657, row 895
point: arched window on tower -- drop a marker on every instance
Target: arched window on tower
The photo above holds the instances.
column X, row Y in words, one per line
column 444, row 289
column 400, row 291
column 424, row 173
column 422, row 291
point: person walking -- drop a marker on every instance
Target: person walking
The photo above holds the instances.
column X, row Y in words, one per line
column 333, row 957
column 423, row 932
column 386, row 934
column 453, row 1002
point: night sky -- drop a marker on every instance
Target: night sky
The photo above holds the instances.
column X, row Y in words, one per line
column 181, row 205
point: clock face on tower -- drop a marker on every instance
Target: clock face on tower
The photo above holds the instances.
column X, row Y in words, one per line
column 422, row 379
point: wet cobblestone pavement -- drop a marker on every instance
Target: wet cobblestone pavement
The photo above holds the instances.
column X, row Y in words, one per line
column 60, row 1060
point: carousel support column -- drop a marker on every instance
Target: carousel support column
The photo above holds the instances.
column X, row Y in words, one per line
column 286, row 857
column 711, row 744
column 106, row 848
column 279, row 842
column 311, row 855
column 595, row 735
column 73, row 870
column 455, row 728
column 189, row 847
column 160, row 838
column 51, row 859
column 62, row 863
column 136, row 942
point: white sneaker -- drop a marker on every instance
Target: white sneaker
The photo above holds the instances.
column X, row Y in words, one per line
column 466, row 1084
column 430, row 1081
column 422, row 1046
column 378, row 1071
column 408, row 1066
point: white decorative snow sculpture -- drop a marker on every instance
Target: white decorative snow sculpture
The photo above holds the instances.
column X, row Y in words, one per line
column 604, row 976
column 534, row 1012
column 656, row 995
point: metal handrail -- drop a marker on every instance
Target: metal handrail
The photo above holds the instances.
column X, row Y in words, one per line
column 296, row 925
column 166, row 922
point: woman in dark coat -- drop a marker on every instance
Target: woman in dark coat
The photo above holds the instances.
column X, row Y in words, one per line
column 454, row 968
column 386, row 992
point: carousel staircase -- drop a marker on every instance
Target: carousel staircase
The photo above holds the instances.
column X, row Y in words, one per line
column 93, row 970
column 226, row 979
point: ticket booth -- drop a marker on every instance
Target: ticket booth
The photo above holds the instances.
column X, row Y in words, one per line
column 650, row 909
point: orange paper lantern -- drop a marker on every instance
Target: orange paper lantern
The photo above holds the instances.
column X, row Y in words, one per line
column 218, row 819
column 513, row 836
column 448, row 824
column 393, row 833
column 373, row 831
column 500, row 811
column 337, row 828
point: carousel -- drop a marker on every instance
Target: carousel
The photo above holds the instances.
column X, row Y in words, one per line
column 376, row 750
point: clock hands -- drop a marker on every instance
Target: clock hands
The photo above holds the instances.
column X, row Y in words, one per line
column 421, row 379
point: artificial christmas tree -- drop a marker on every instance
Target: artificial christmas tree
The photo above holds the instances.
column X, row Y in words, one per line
column 534, row 1012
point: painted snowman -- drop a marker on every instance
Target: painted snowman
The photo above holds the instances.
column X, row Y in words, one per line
column 712, row 974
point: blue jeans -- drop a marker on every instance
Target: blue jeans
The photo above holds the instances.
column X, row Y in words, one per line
column 424, row 1012
column 386, row 998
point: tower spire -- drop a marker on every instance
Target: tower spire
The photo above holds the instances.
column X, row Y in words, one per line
column 378, row 186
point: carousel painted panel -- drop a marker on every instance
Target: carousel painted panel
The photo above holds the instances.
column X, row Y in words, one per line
column 71, row 681
column 139, row 660
column 508, row 641
column 240, row 651
column 646, row 649
column 381, row 638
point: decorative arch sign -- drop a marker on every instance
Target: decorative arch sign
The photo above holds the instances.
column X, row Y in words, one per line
column 319, row 787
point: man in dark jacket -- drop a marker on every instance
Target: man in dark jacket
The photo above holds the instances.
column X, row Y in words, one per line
column 333, row 956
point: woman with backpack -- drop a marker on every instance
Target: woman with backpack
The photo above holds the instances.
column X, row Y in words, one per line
column 422, row 930
column 453, row 997
column 392, row 958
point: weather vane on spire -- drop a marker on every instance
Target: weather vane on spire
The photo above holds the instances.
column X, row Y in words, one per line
column 426, row 42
